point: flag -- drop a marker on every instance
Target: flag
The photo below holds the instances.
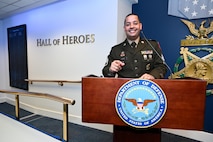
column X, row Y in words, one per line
column 191, row 9
column 173, row 6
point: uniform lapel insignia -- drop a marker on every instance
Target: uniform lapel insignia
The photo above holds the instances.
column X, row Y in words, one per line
column 142, row 42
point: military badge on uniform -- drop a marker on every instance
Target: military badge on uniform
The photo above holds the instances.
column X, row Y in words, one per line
column 150, row 56
column 122, row 54
column 148, row 67
column 147, row 52
column 147, row 55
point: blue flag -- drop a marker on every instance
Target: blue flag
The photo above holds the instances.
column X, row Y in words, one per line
column 191, row 9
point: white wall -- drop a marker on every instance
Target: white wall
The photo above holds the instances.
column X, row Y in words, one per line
column 123, row 10
column 3, row 67
column 2, row 52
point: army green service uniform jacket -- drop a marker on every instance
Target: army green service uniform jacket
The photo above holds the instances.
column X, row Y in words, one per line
column 139, row 60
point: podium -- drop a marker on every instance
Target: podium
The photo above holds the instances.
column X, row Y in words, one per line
column 185, row 107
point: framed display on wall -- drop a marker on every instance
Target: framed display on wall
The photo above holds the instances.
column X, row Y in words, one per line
column 17, row 50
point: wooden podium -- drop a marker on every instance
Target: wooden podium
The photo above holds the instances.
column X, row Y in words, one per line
column 185, row 107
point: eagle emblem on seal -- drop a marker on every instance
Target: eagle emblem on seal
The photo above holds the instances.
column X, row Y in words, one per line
column 140, row 105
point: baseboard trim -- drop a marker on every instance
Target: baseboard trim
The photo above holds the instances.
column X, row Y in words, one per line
column 195, row 135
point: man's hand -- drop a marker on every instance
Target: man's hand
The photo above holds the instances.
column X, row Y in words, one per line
column 116, row 66
column 147, row 76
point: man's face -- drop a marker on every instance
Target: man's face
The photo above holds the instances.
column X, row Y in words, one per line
column 132, row 27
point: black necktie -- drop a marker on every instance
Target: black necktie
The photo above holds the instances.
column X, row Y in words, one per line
column 133, row 45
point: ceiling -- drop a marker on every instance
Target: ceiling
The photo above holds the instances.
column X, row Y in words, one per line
column 12, row 7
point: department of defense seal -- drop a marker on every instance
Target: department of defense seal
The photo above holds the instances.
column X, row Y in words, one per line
column 140, row 103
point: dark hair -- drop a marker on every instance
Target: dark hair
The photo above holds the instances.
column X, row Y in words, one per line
column 130, row 15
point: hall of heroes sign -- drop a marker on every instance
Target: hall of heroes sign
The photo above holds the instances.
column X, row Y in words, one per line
column 140, row 103
column 66, row 40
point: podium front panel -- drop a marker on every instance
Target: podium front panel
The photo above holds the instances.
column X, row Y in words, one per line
column 185, row 102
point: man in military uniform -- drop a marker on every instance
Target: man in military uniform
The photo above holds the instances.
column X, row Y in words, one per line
column 135, row 57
